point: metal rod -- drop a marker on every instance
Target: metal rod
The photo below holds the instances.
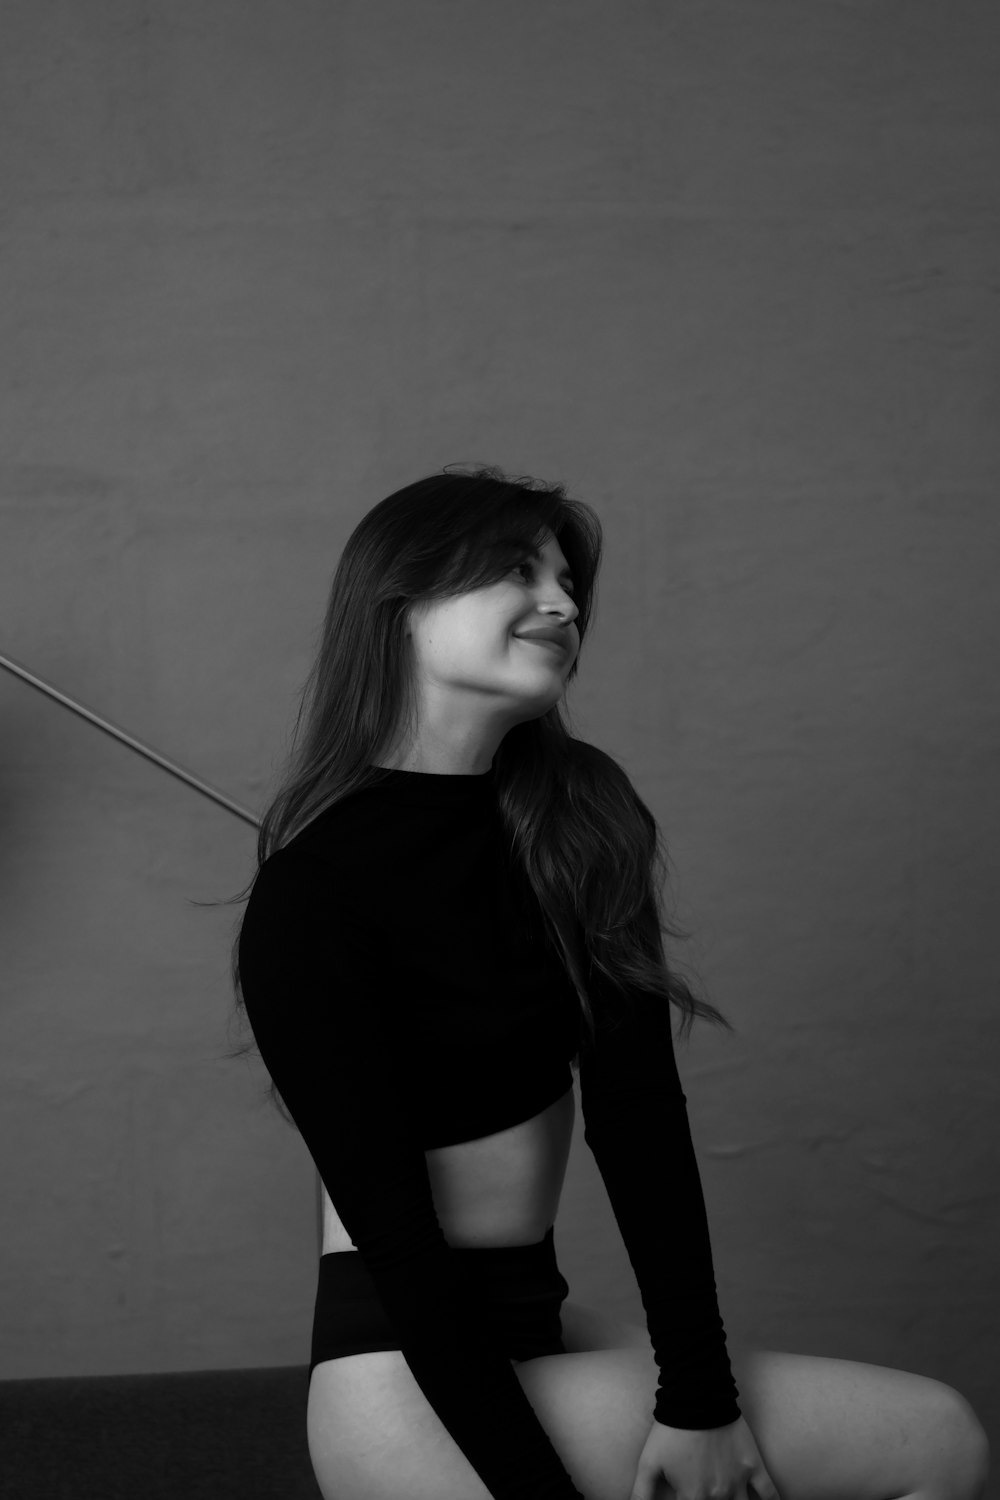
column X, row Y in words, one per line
column 131, row 741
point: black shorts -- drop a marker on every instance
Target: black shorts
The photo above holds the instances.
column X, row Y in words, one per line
column 523, row 1293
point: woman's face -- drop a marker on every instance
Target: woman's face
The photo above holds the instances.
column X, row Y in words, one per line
column 477, row 674
column 475, row 640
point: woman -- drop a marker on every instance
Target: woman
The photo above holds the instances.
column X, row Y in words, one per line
column 456, row 908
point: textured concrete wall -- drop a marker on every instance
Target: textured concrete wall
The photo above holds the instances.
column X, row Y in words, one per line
column 728, row 271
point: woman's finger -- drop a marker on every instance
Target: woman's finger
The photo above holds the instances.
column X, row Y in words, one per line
column 761, row 1486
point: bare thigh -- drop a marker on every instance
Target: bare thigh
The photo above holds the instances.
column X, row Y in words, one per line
column 827, row 1429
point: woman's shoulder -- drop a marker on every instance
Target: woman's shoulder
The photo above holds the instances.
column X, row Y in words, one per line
column 327, row 839
column 303, row 891
column 315, row 862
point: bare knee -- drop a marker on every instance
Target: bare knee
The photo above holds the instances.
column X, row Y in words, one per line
column 964, row 1448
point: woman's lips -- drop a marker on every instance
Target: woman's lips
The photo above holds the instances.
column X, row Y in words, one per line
column 540, row 641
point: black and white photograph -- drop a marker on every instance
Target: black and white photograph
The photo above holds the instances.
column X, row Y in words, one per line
column 499, row 749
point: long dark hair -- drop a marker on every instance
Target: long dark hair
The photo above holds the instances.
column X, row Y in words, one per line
column 589, row 846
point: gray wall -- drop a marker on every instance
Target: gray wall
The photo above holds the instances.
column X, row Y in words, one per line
column 729, row 272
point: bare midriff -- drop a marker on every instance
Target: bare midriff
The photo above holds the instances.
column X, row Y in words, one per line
column 501, row 1189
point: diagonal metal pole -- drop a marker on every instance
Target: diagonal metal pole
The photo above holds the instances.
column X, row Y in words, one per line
column 182, row 775
column 130, row 740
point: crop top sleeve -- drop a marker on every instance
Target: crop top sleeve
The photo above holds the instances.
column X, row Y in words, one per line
column 403, row 996
column 636, row 1125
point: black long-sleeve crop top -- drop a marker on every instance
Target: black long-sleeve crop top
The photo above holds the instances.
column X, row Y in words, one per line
column 404, row 995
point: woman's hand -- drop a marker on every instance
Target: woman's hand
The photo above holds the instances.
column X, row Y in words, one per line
column 712, row 1464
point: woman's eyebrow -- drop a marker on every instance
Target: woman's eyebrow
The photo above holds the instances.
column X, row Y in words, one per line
column 533, row 552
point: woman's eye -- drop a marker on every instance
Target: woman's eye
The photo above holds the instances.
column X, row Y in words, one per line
column 527, row 566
